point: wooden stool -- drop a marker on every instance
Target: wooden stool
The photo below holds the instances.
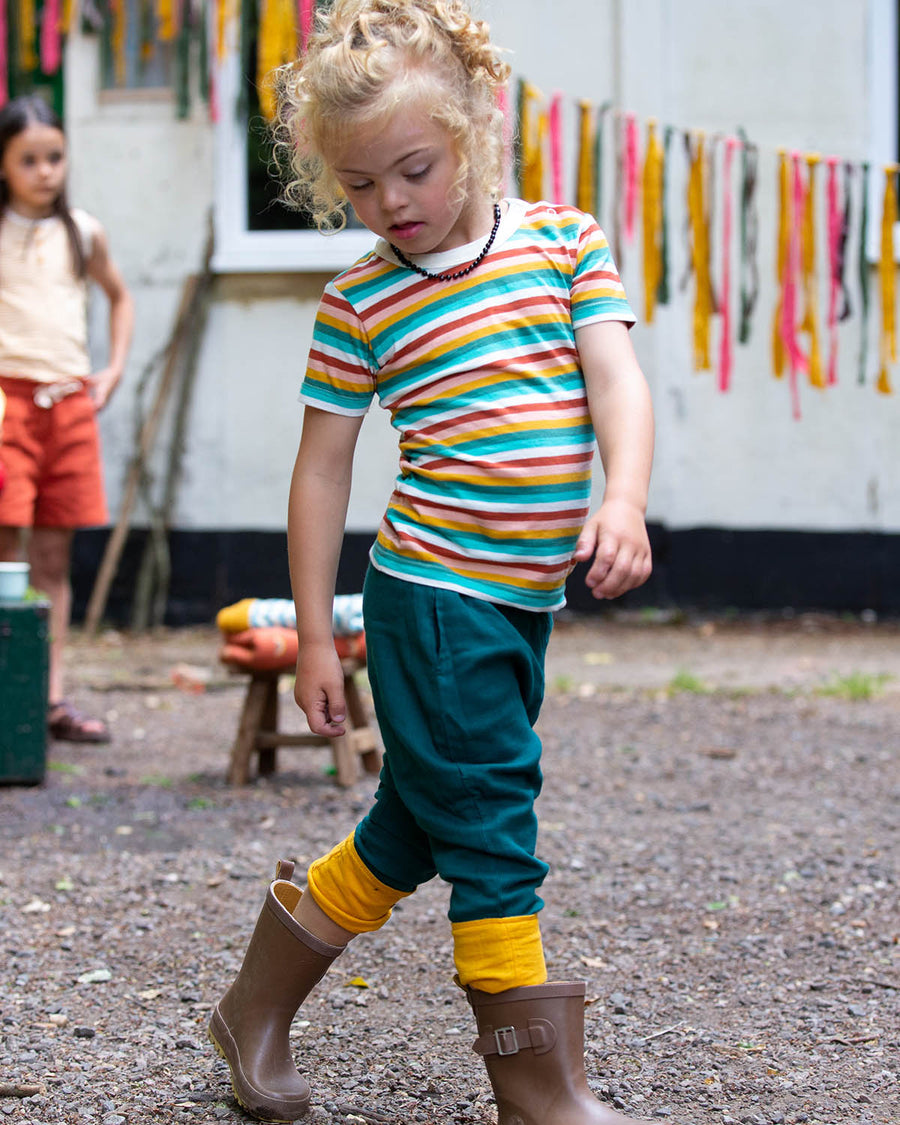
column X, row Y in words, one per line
column 258, row 730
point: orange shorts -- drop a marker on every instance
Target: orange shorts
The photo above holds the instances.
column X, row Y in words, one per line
column 51, row 457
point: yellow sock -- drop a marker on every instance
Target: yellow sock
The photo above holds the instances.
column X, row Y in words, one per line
column 347, row 891
column 496, row 954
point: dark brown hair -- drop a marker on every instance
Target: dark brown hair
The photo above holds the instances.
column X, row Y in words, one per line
column 15, row 118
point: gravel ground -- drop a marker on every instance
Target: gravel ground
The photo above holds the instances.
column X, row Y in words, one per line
column 720, row 812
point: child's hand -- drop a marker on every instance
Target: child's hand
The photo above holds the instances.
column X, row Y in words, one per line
column 101, row 385
column 319, row 689
column 616, row 538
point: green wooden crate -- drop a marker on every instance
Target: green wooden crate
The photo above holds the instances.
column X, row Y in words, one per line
column 24, row 662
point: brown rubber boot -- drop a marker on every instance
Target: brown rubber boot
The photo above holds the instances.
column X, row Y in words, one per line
column 532, row 1042
column 250, row 1026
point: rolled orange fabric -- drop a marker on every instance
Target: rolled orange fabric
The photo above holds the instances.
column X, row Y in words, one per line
column 273, row 648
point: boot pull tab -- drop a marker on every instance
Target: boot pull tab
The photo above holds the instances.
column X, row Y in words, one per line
column 284, row 869
column 539, row 1035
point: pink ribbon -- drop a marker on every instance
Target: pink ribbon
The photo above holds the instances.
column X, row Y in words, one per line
column 4, row 61
column 51, row 46
column 556, row 159
column 503, row 107
column 796, row 358
column 307, row 12
column 726, row 353
column 631, row 174
column 835, row 219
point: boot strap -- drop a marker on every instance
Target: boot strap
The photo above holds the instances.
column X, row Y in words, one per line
column 539, row 1035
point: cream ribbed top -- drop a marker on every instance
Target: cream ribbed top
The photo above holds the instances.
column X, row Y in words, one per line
column 43, row 306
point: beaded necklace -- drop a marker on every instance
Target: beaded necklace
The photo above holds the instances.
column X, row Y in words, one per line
column 458, row 273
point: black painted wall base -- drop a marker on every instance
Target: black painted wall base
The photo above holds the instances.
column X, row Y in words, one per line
column 707, row 569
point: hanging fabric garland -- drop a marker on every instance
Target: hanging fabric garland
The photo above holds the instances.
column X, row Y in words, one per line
column 509, row 156
column 584, row 169
column 531, row 130
column 662, row 290
column 846, row 306
column 599, row 141
column 703, row 296
column 887, row 271
column 183, row 63
column 725, row 344
column 165, row 16
column 810, row 322
column 863, row 270
column 749, row 270
column 27, row 59
column 783, row 262
column 834, row 278
column 554, row 128
column 119, row 39
column 652, row 201
column 796, row 359
column 307, row 21
column 620, row 194
column 631, row 175
column 277, row 45
column 51, row 41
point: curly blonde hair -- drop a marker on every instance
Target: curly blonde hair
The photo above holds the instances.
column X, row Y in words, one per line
column 366, row 59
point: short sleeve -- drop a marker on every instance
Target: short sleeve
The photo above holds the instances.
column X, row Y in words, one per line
column 597, row 289
column 88, row 227
column 340, row 371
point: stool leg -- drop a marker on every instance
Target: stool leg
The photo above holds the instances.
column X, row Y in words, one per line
column 268, row 755
column 371, row 759
column 245, row 741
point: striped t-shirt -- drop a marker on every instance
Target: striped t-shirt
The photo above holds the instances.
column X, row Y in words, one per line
column 482, row 380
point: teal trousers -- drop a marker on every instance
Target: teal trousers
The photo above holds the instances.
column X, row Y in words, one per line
column 457, row 684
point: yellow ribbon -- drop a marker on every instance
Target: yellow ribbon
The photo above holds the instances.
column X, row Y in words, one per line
column 887, row 272
column 533, row 128
column 68, row 14
column 118, row 39
column 810, row 321
column 165, row 18
column 703, row 298
column 784, row 238
column 27, row 31
column 226, row 14
column 584, row 193
column 277, row 45
column 652, row 211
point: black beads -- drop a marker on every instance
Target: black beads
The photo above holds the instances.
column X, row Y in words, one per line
column 458, row 273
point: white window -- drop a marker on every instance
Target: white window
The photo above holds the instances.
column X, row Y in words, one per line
column 245, row 238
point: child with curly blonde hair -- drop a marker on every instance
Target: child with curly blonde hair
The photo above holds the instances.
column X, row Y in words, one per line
column 495, row 333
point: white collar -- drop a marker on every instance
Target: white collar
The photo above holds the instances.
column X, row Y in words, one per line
column 510, row 220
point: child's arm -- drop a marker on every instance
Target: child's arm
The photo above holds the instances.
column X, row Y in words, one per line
column 317, row 509
column 102, row 269
column 615, row 536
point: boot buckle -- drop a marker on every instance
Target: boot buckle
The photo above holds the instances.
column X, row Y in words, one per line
column 506, row 1040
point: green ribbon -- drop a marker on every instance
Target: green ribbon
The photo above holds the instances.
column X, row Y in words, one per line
column 662, row 289
column 864, row 276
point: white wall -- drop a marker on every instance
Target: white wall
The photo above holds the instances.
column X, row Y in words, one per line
column 794, row 75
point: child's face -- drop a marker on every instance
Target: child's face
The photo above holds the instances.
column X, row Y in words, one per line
column 399, row 177
column 34, row 167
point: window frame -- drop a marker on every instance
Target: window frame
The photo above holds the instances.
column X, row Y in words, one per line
column 240, row 250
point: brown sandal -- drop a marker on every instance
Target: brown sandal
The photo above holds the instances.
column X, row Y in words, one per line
column 66, row 724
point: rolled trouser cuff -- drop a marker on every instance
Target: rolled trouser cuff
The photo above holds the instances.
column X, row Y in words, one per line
column 346, row 890
column 496, row 954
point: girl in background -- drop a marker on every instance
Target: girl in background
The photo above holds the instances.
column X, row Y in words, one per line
column 50, row 450
column 495, row 333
